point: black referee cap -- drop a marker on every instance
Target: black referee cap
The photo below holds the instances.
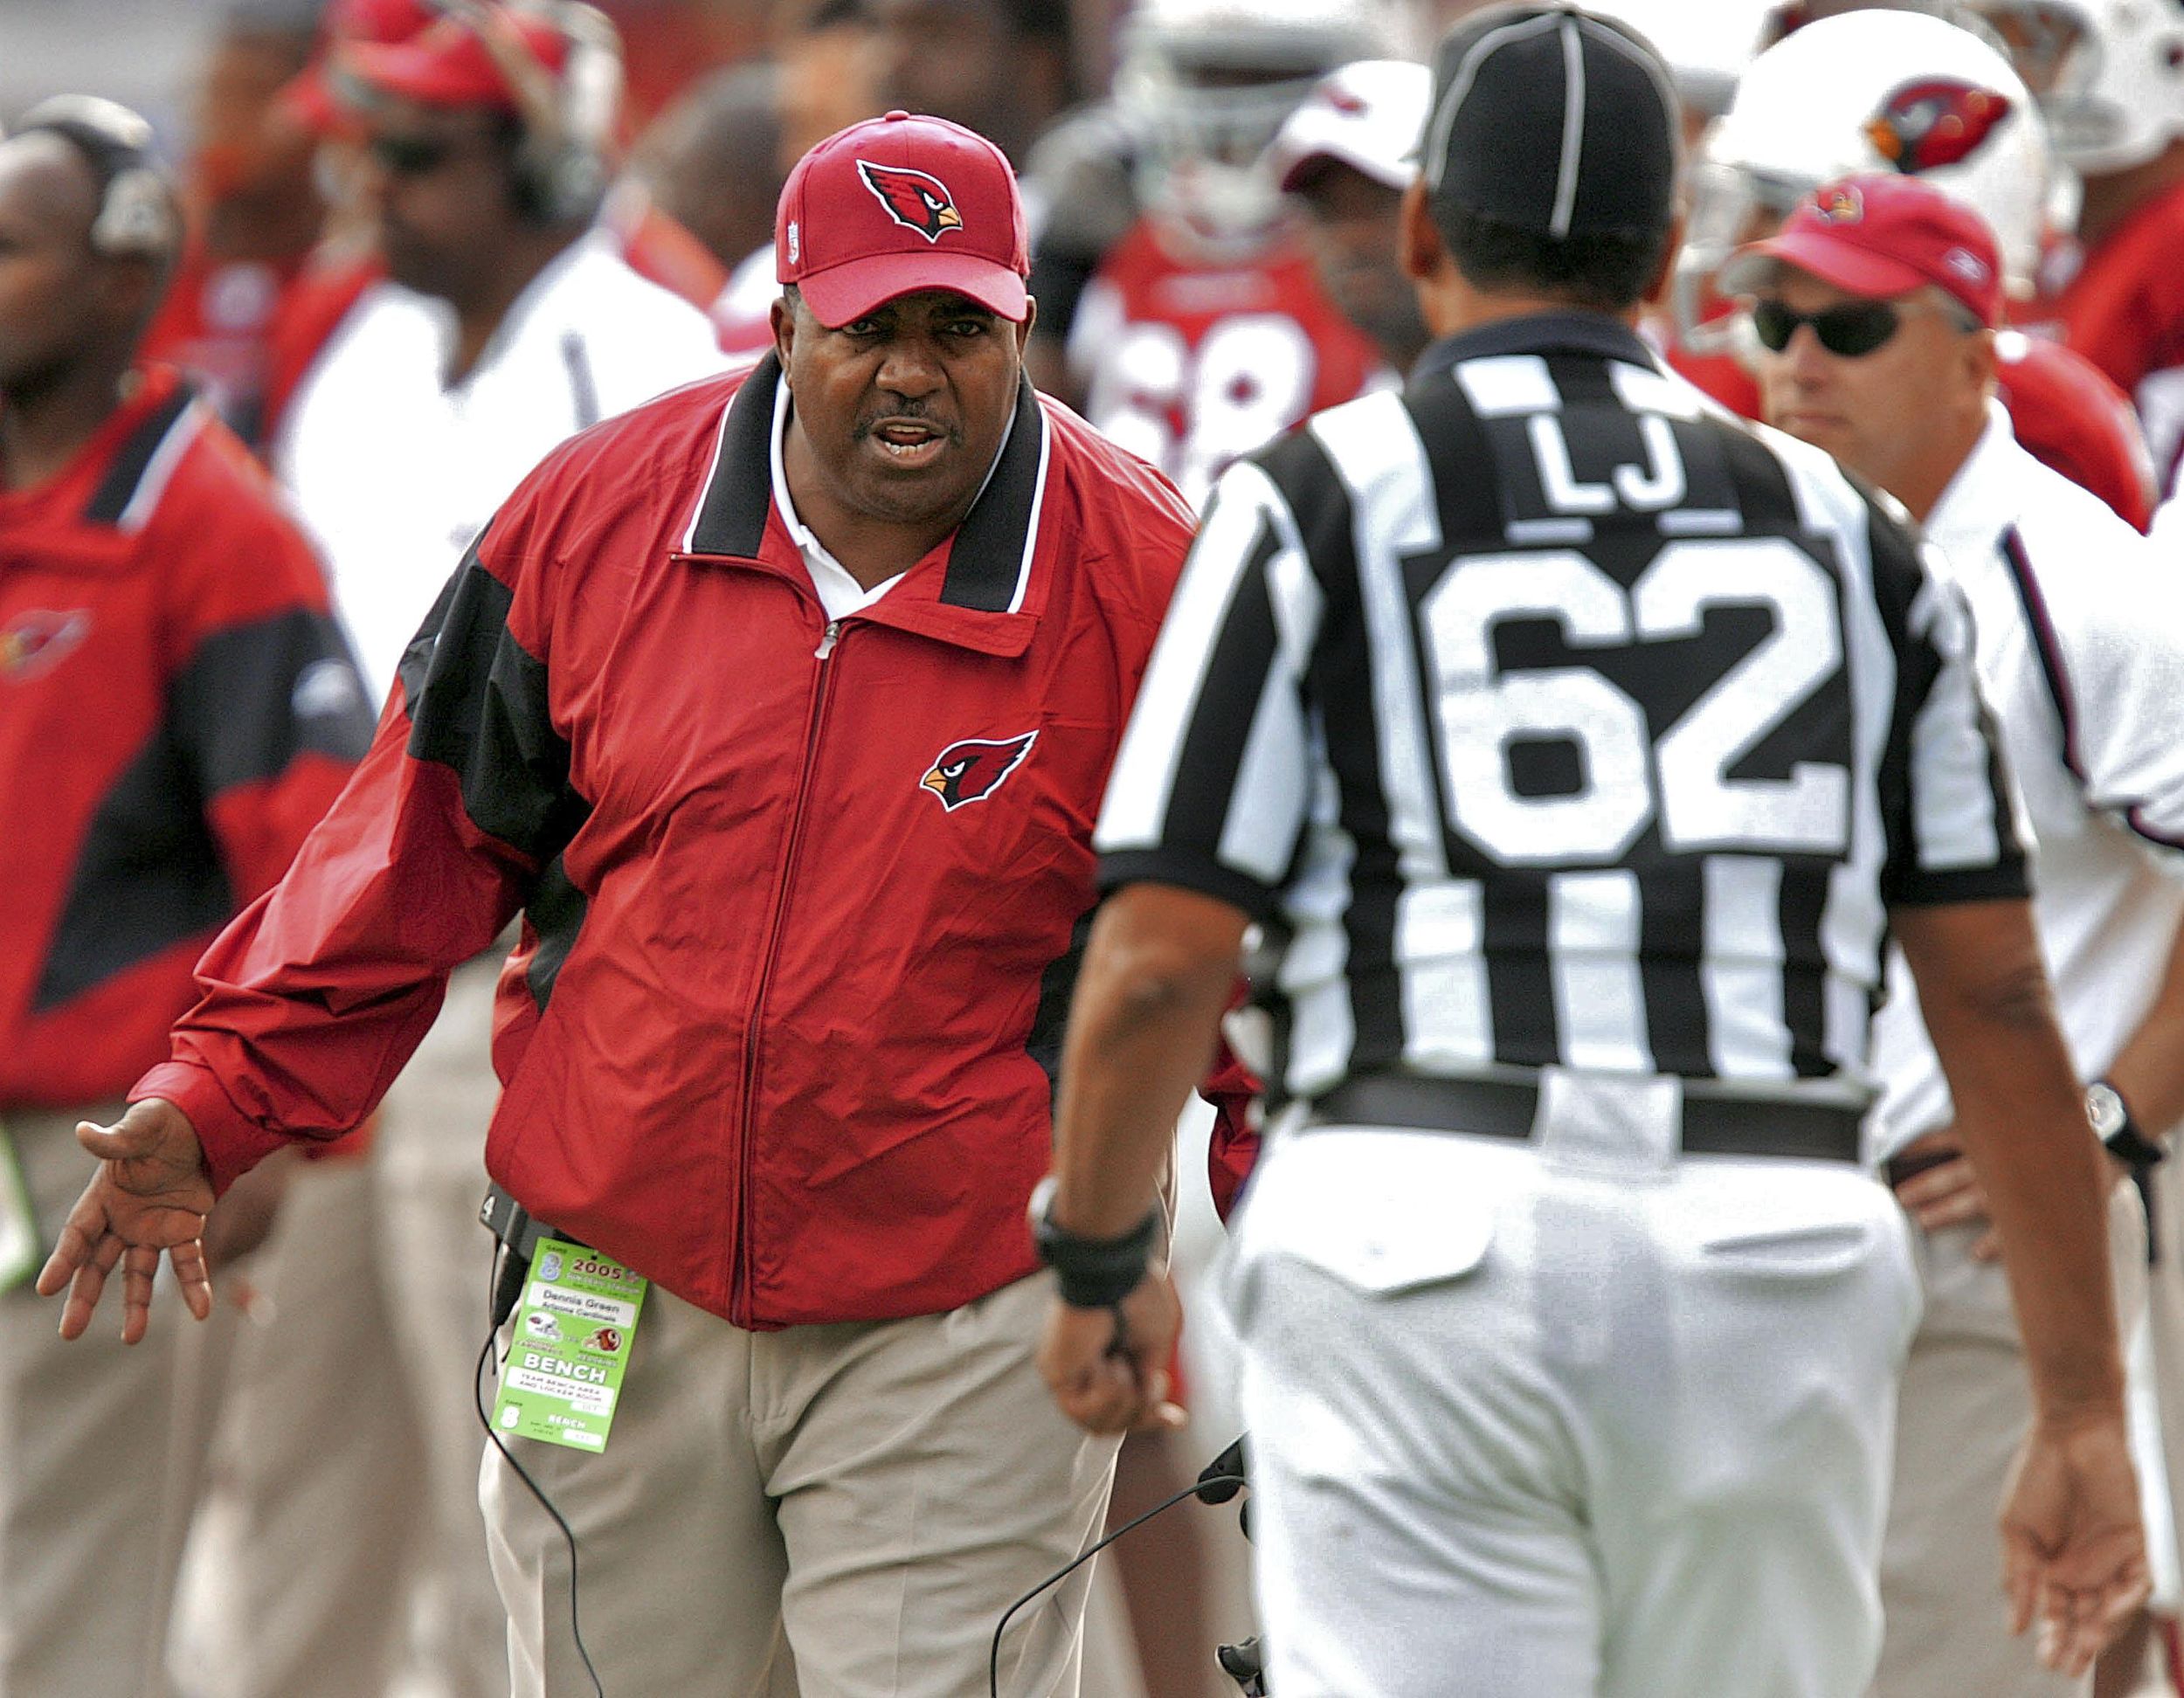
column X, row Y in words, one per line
column 1549, row 119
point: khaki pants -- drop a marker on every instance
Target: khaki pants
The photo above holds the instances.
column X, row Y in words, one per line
column 302, row 1555
column 1963, row 1410
column 105, row 1444
column 880, row 1491
column 435, row 1263
column 2164, row 1314
column 350, row 1540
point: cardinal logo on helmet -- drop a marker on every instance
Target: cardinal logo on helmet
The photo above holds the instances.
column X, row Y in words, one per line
column 914, row 199
column 1935, row 121
column 972, row 770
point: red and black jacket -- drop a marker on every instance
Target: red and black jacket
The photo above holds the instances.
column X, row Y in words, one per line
column 802, row 904
column 176, row 709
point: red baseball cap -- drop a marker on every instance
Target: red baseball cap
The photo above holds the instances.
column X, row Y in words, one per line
column 449, row 65
column 1881, row 235
column 309, row 97
column 897, row 205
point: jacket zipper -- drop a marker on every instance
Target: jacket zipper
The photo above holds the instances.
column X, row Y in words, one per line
column 739, row 1302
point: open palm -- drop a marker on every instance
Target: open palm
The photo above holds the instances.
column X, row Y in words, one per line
column 151, row 1195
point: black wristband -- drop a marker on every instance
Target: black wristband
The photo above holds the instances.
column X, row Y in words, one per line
column 2136, row 1150
column 1092, row 1273
column 2112, row 1121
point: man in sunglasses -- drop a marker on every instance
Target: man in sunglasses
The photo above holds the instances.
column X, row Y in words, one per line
column 1875, row 306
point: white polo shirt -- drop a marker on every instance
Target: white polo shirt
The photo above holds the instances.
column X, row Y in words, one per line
column 835, row 584
column 2081, row 653
column 394, row 472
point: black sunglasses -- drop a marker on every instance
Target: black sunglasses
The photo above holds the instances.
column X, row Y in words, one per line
column 1849, row 331
column 412, row 155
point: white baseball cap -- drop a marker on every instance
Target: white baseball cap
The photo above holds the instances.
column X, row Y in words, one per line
column 1368, row 116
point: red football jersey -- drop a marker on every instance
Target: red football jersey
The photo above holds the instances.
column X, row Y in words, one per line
column 2124, row 310
column 2068, row 416
column 1189, row 363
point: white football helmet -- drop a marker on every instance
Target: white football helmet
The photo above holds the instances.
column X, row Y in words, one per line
column 1875, row 90
column 2109, row 74
column 1706, row 46
column 1206, row 84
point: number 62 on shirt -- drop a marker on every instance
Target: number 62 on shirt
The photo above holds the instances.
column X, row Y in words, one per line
column 1681, row 778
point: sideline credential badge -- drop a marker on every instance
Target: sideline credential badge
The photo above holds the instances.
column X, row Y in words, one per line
column 570, row 1347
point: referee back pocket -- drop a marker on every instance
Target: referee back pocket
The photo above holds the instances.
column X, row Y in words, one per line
column 1382, row 1221
column 1816, row 1252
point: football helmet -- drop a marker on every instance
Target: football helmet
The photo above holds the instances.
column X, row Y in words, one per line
column 1876, row 90
column 1706, row 47
column 2109, row 74
column 1206, row 84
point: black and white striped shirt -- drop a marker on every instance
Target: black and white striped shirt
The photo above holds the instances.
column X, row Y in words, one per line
column 1544, row 716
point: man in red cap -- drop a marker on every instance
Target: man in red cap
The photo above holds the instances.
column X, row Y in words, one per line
column 779, row 708
column 1876, row 305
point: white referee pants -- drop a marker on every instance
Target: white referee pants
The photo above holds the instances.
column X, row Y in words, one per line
column 1579, row 1418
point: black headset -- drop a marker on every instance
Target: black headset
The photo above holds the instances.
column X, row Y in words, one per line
column 561, row 165
column 137, row 214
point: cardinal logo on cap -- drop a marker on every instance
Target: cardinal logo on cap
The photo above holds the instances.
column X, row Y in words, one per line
column 914, row 199
column 972, row 770
column 1840, row 205
column 1935, row 121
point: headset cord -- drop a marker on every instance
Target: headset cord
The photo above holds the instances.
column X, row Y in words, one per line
column 993, row 1660
column 478, row 1399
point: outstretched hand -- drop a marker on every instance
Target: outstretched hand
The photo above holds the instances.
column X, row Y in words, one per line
column 2074, row 1552
column 150, row 1194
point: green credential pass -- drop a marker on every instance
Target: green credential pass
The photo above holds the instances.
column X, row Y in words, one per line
column 564, row 1373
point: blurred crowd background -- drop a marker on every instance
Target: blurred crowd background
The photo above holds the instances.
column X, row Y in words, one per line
column 721, row 95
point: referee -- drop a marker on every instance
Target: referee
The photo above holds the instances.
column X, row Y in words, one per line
column 1577, row 752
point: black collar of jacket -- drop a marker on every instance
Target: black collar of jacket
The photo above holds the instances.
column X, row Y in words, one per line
column 112, row 501
column 1537, row 333
column 989, row 555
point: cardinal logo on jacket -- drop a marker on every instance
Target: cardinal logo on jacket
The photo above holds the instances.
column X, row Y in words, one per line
column 972, row 770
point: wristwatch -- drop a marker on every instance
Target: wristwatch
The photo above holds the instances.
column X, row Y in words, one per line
column 2112, row 1122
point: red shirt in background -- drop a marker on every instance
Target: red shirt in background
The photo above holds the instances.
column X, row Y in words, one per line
column 177, row 710
column 1192, row 363
column 2124, row 310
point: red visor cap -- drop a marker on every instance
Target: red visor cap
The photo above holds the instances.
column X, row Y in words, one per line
column 897, row 205
column 1881, row 236
column 447, row 65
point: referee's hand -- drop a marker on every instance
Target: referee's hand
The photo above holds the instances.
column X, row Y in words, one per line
column 1107, row 1369
column 2073, row 1552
